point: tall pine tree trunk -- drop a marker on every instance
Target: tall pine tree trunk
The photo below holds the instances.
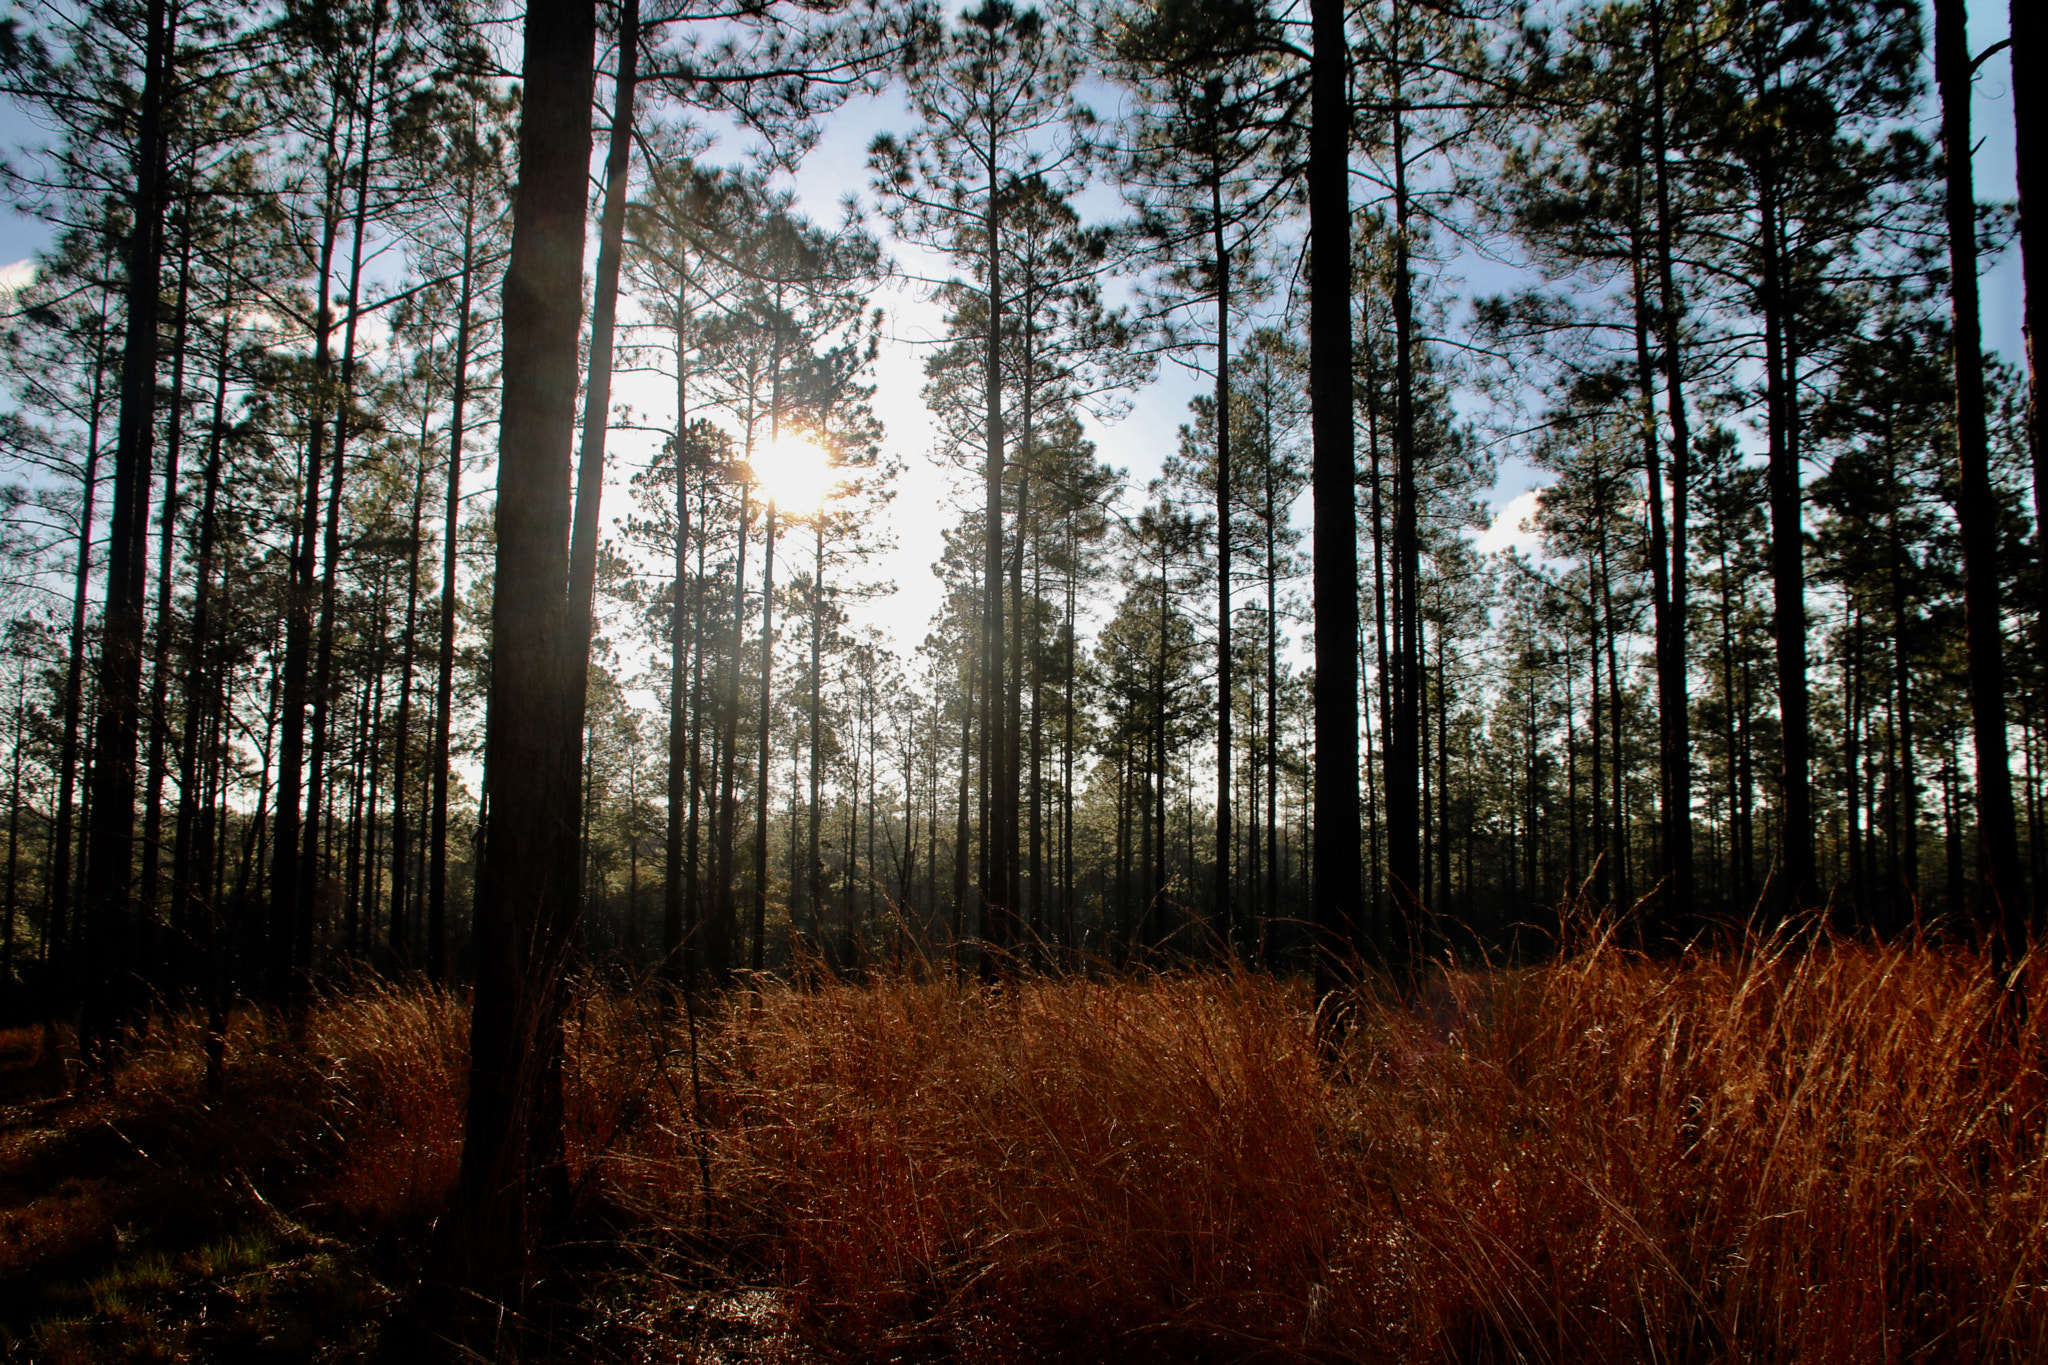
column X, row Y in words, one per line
column 604, row 308
column 677, row 959
column 1336, row 874
column 110, row 826
column 151, row 944
column 814, row 866
column 1034, row 747
column 758, row 956
column 1404, row 822
column 961, row 832
column 444, row 682
column 726, row 908
column 1793, row 882
column 59, row 931
column 526, row 897
column 1067, row 754
column 1674, row 722
column 291, row 755
column 693, row 875
column 995, row 868
column 1660, row 562
column 1383, row 675
column 192, row 905
column 1013, row 702
column 14, row 820
column 2005, row 894
column 1226, row 916
column 2030, row 160
column 402, row 931
column 1272, row 754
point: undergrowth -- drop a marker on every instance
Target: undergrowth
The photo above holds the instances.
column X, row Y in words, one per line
column 1815, row 1151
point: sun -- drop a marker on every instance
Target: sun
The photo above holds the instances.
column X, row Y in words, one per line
column 797, row 474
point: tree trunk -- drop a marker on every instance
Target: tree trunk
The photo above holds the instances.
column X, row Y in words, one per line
column 444, row 683
column 995, row 870
column 1854, row 718
column 677, row 959
column 402, row 932
column 1794, row 880
column 1013, row 702
column 1336, row 519
column 284, row 841
column 693, row 881
column 58, row 930
column 526, row 899
column 1597, row 844
column 724, row 913
column 1405, row 721
column 1067, row 753
column 1226, row 916
column 1618, row 825
column 152, row 945
column 2029, row 161
column 814, row 866
column 1272, row 755
column 1906, row 799
column 110, row 827
column 1382, row 673
column 960, row 824
column 604, row 306
column 1034, row 747
column 14, row 822
column 1161, row 767
column 849, row 949
column 1444, row 842
column 1674, row 722
column 2004, row 891
column 192, row 905
column 758, row 958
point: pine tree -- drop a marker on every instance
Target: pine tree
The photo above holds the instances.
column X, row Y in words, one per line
column 2005, row 912
column 527, row 899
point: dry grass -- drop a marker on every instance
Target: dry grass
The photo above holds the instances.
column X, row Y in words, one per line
column 1826, row 1152
column 143, row 1218
column 1832, row 1154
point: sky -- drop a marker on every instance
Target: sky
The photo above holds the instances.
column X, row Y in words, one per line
column 929, row 492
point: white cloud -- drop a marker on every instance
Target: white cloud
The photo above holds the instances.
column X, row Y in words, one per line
column 17, row 276
column 1513, row 525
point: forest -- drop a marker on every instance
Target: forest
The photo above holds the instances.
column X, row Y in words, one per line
column 476, row 766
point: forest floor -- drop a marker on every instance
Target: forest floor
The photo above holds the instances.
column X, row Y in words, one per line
column 1810, row 1150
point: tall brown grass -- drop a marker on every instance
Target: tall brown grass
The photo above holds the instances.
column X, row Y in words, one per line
column 1793, row 1151
column 1810, row 1152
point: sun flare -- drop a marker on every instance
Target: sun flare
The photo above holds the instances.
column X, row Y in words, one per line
column 797, row 474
